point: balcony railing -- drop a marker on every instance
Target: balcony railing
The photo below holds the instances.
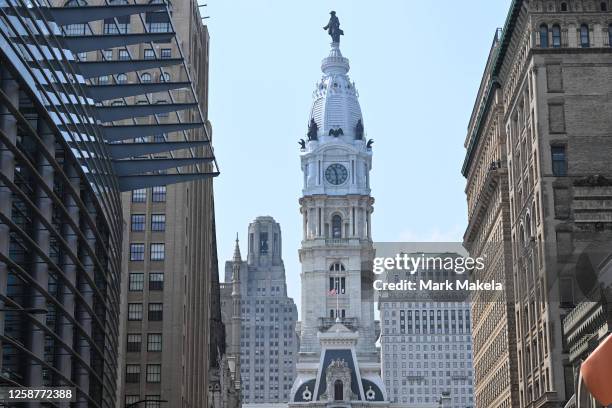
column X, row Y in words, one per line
column 325, row 323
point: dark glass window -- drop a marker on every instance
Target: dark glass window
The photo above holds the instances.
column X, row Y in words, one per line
column 166, row 53
column 156, row 312
column 556, row 36
column 132, row 373
column 336, row 226
column 559, row 161
column 136, row 252
column 263, row 243
column 158, row 222
column 156, row 281
column 604, row 6
column 584, row 36
column 153, row 373
column 563, row 6
column 138, row 222
column 544, row 36
column 133, row 343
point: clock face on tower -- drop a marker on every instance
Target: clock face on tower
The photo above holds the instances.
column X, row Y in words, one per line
column 336, row 174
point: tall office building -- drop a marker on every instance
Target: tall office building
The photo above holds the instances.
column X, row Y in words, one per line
column 538, row 129
column 259, row 317
column 426, row 342
column 338, row 359
column 62, row 172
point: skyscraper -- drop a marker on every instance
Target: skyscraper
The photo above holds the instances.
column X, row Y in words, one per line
column 426, row 342
column 267, row 340
column 538, row 129
column 338, row 359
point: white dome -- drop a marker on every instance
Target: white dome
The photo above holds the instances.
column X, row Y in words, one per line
column 335, row 100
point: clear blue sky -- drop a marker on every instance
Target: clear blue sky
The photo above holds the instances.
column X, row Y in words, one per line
column 417, row 66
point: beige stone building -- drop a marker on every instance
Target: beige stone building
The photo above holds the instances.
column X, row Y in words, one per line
column 538, row 171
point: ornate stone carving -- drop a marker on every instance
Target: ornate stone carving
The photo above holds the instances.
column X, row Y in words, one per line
column 313, row 129
column 338, row 380
column 596, row 180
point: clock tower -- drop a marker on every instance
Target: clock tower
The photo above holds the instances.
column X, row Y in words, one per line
column 338, row 360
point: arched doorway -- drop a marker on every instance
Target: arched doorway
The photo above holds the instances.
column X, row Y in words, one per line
column 338, row 391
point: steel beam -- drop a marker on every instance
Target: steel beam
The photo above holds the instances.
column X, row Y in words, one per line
column 94, row 69
column 86, row 14
column 132, row 167
column 129, row 183
column 125, row 132
column 86, row 43
column 101, row 93
column 121, row 112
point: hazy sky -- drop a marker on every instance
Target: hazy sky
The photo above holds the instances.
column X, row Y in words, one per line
column 417, row 66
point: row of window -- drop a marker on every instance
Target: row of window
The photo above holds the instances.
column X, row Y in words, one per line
column 157, row 252
column 158, row 195
column 136, row 281
column 144, row 78
column 134, row 342
column 139, row 223
column 132, row 373
column 551, row 37
column 155, row 312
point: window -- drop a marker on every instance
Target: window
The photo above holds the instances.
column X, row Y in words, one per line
column 610, row 35
column 604, row 6
column 158, row 252
column 122, row 26
column 164, row 77
column 122, row 78
column 544, row 36
column 556, row 36
column 132, row 373
column 159, row 194
column 158, row 22
column 75, row 29
column 133, row 343
column 156, row 281
column 124, row 55
column 146, row 77
column 103, row 80
column 136, row 282
column 139, row 196
column 136, row 252
column 107, row 54
column 156, row 312
column 263, row 243
column 563, row 6
column 166, row 53
column 584, row 36
column 138, row 222
column 336, row 267
column 153, row 373
column 134, row 311
column 158, row 222
column 131, row 399
column 559, row 163
column 149, row 54
column 153, row 401
column 336, row 226
column 154, row 342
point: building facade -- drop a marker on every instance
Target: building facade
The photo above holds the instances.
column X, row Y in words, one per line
column 338, row 359
column 547, row 82
column 260, row 318
column 62, row 175
column 426, row 343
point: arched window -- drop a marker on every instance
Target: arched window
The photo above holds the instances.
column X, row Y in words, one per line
column 336, row 226
column 164, row 77
column 338, row 391
column 556, row 36
column 146, row 77
column 563, row 6
column 122, row 78
column 544, row 36
column 584, row 36
column 336, row 267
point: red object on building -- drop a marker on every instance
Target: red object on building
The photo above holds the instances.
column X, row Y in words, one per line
column 597, row 372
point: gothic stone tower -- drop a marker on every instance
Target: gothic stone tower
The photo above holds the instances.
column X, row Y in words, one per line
column 338, row 360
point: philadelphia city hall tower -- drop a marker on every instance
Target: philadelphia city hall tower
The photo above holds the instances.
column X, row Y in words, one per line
column 338, row 362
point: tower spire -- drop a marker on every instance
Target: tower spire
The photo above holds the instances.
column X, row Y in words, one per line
column 237, row 256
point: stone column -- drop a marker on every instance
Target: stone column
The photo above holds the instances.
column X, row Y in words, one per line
column 8, row 125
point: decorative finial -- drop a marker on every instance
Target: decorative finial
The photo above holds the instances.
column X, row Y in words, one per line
column 333, row 28
column 237, row 256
